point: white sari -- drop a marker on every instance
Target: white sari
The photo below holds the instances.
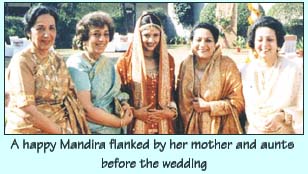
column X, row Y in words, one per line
column 279, row 88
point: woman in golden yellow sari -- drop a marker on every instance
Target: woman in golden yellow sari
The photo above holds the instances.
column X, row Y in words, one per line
column 41, row 100
column 147, row 74
column 209, row 86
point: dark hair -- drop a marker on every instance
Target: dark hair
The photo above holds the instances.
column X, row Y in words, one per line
column 33, row 13
column 90, row 20
column 270, row 22
column 214, row 30
column 149, row 18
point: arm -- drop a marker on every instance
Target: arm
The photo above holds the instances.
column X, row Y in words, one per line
column 98, row 115
column 231, row 93
column 40, row 121
column 23, row 83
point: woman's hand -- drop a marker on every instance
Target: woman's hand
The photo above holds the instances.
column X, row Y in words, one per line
column 125, row 106
column 127, row 118
column 274, row 121
column 164, row 113
column 143, row 114
column 200, row 105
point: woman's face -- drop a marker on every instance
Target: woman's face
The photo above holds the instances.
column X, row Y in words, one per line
column 266, row 42
column 98, row 41
column 203, row 43
column 43, row 33
column 150, row 38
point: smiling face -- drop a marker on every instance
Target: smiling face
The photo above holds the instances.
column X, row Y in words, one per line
column 266, row 43
column 98, row 41
column 150, row 38
column 203, row 43
column 43, row 33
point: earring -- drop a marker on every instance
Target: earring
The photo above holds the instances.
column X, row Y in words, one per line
column 255, row 54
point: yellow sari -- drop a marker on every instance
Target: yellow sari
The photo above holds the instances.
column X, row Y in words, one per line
column 46, row 84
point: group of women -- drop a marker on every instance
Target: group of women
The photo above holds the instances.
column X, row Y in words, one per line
column 139, row 95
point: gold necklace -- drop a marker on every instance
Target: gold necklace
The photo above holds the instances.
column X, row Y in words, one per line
column 50, row 74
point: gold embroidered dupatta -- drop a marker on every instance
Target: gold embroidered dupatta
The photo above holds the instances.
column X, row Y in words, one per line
column 138, row 73
column 212, row 89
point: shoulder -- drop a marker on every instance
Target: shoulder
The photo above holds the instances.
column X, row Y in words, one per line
column 75, row 60
column 285, row 62
column 227, row 60
column 289, row 66
column 187, row 60
column 22, row 58
column 125, row 59
column 228, row 63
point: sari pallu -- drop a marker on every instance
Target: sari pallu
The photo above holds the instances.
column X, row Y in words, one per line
column 221, row 86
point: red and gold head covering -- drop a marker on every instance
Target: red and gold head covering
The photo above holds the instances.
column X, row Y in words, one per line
column 138, row 66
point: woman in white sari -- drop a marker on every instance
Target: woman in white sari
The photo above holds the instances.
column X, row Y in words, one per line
column 271, row 83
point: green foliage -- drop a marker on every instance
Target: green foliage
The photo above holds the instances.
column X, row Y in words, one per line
column 207, row 14
column 178, row 40
column 291, row 15
column 242, row 18
column 286, row 12
column 119, row 20
column 184, row 13
column 13, row 27
column 71, row 13
column 239, row 42
column 300, row 44
column 224, row 22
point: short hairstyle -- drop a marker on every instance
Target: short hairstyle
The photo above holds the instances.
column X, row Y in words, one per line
column 90, row 20
column 270, row 22
column 214, row 30
column 33, row 13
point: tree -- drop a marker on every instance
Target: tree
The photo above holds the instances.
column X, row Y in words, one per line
column 13, row 27
column 242, row 18
column 291, row 15
column 184, row 13
column 68, row 19
column 207, row 14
